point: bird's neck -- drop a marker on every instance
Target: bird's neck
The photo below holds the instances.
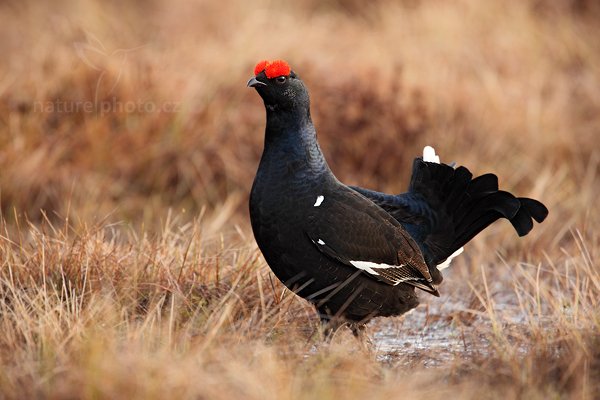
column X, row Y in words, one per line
column 291, row 140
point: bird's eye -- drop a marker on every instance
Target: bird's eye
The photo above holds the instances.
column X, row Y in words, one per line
column 281, row 80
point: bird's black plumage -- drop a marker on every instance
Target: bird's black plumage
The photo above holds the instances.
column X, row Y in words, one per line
column 352, row 252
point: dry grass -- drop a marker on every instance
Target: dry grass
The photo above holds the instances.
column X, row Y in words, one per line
column 127, row 266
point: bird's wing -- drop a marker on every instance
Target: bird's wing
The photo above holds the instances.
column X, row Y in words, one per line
column 353, row 230
column 410, row 209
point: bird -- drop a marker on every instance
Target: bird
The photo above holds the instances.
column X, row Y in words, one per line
column 355, row 253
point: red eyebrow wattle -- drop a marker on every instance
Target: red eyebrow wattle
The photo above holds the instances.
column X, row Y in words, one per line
column 273, row 69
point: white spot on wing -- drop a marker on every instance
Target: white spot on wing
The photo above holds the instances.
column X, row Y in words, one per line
column 446, row 263
column 319, row 201
column 371, row 267
column 320, row 242
column 429, row 155
column 365, row 266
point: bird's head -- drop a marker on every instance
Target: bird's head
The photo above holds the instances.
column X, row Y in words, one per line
column 279, row 87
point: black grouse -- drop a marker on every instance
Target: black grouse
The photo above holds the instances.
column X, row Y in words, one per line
column 352, row 252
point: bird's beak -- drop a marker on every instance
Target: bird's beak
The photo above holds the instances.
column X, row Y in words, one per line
column 253, row 82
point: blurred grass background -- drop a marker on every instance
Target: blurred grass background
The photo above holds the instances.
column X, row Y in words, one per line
column 126, row 233
column 512, row 84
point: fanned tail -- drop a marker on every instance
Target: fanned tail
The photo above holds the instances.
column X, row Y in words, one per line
column 462, row 206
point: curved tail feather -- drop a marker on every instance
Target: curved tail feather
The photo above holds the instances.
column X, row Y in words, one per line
column 462, row 206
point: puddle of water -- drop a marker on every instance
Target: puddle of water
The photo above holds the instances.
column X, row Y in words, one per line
column 437, row 333
column 424, row 336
